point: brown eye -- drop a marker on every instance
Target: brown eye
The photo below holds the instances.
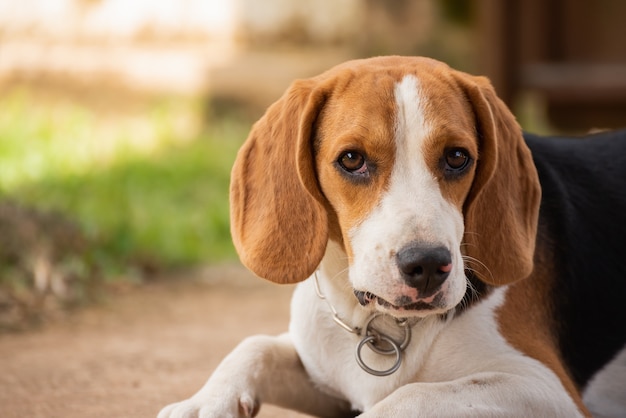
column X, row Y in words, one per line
column 457, row 160
column 353, row 162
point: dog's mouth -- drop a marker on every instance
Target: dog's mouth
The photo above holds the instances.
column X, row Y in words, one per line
column 401, row 304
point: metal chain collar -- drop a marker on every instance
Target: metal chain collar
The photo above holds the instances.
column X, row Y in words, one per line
column 377, row 341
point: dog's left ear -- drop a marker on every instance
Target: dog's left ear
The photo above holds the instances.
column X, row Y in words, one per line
column 502, row 207
column 278, row 223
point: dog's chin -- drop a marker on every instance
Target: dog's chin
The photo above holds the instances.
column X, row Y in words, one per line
column 402, row 308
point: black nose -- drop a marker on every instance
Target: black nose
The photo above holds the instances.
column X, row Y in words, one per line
column 423, row 267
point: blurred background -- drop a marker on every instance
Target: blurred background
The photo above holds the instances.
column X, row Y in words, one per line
column 119, row 120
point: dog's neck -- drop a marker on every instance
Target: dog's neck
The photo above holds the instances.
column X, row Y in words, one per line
column 369, row 328
column 334, row 285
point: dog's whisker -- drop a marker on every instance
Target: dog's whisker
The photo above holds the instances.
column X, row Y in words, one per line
column 469, row 260
column 344, row 283
column 472, row 290
column 472, row 233
column 340, row 272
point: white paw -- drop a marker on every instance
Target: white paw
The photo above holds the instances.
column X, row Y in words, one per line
column 243, row 406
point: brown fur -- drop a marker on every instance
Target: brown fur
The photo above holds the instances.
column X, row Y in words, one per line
column 351, row 122
column 528, row 299
column 279, row 227
column 288, row 198
column 502, row 208
column 282, row 217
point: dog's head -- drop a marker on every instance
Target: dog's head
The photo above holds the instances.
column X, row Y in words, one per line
column 418, row 171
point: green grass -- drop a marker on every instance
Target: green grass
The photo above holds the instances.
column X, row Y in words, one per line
column 149, row 186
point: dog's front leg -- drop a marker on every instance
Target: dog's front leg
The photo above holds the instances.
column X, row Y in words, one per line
column 260, row 369
column 480, row 395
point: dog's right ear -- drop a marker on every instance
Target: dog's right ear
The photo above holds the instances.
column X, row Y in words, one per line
column 278, row 223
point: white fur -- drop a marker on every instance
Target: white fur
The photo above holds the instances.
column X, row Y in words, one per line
column 454, row 351
column 332, row 362
column 604, row 395
column 454, row 366
column 412, row 209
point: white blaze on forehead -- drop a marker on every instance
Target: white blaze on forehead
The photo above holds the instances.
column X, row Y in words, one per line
column 411, row 119
column 411, row 132
column 413, row 186
column 412, row 209
column 413, row 200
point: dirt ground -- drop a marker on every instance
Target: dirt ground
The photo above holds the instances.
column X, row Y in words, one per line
column 140, row 349
column 144, row 348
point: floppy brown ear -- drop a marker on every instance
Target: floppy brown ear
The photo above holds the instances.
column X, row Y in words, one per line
column 502, row 208
column 279, row 229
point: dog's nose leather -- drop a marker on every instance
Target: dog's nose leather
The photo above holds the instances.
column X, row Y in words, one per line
column 424, row 267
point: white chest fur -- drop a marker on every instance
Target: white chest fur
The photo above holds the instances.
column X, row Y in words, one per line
column 440, row 349
column 328, row 352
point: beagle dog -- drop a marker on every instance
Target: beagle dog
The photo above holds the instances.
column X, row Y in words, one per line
column 448, row 265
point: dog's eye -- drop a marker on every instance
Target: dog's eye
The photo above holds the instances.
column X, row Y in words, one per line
column 353, row 162
column 457, row 160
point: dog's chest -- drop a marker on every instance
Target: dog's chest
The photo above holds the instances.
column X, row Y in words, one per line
column 328, row 353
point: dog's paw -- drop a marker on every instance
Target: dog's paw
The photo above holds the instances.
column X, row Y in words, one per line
column 242, row 406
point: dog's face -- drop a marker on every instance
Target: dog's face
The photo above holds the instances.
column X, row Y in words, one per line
column 412, row 167
column 397, row 181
